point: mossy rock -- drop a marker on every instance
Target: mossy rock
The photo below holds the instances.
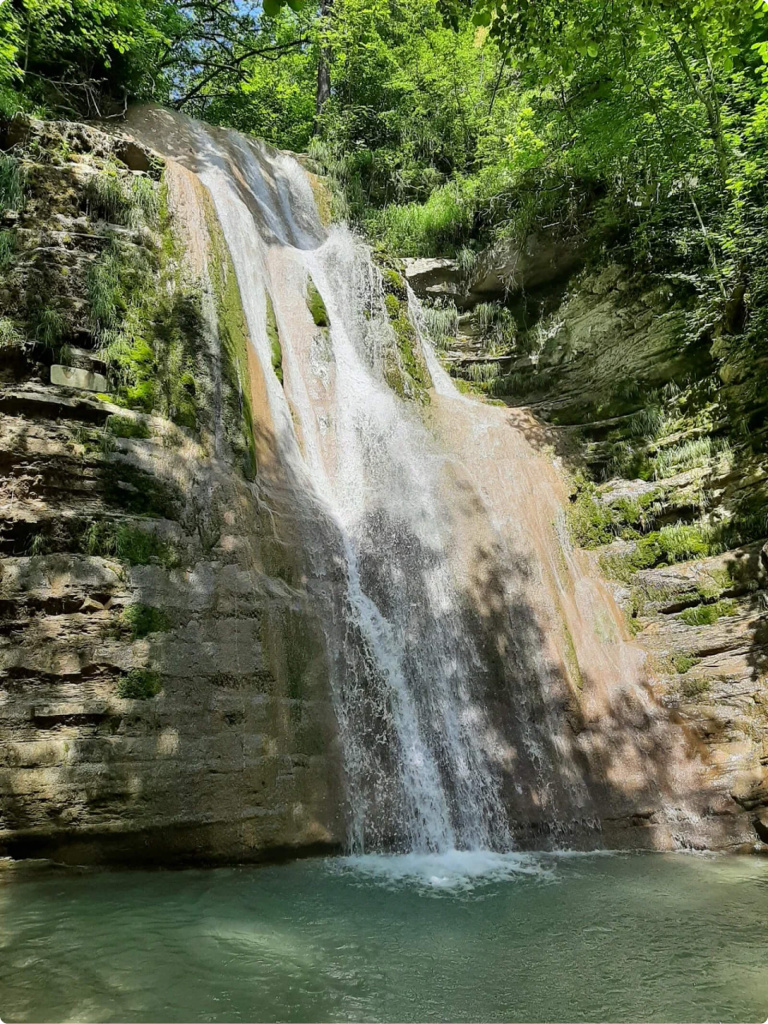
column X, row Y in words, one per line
column 316, row 306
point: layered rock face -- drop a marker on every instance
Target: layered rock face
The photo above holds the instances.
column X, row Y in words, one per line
column 668, row 497
column 164, row 692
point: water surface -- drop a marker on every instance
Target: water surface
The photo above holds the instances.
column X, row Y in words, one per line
column 458, row 937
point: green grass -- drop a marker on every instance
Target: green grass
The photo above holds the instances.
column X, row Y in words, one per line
column 684, row 663
column 143, row 619
column 694, row 453
column 697, row 686
column 708, row 614
column 316, row 306
column 435, row 228
column 442, row 324
column 10, row 336
column 11, row 183
column 130, row 544
column 49, row 327
column 122, row 199
column 7, row 248
column 139, row 684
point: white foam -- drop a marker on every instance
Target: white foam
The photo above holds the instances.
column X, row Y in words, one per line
column 451, row 869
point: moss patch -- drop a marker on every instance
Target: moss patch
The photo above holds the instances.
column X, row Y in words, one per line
column 275, row 348
column 708, row 614
column 235, row 343
column 316, row 306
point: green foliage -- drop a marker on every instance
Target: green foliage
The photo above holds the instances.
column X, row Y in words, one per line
column 139, row 684
column 122, row 198
column 694, row 687
column 591, row 523
column 10, row 336
column 128, row 543
column 143, row 619
column 707, row 614
column 7, row 248
column 316, row 306
column 11, row 183
column 49, row 327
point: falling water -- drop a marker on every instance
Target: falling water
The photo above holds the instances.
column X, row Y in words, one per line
column 368, row 473
column 456, row 616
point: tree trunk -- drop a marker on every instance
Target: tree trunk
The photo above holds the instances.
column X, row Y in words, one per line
column 323, row 64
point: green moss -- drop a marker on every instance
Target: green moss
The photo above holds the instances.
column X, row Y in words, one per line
column 273, row 334
column 235, row 344
column 122, row 426
column 139, row 684
column 143, row 619
column 684, row 662
column 405, row 369
column 394, row 283
column 708, row 614
column 316, row 306
column 671, row 544
column 590, row 522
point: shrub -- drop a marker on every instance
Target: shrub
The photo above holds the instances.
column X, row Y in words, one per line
column 139, row 684
column 437, row 227
column 10, row 337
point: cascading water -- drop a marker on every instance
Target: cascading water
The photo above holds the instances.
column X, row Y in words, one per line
column 456, row 617
column 367, row 471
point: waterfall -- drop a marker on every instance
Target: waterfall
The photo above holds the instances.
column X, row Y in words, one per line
column 457, row 617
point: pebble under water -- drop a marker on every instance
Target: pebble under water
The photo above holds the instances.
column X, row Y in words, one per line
column 518, row 937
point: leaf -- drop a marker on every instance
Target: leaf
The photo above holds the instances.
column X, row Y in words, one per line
column 482, row 18
column 593, row 49
column 271, row 8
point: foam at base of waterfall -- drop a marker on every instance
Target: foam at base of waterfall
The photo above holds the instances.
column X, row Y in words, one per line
column 450, row 870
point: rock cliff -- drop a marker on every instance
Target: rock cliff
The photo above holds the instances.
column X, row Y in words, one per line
column 164, row 685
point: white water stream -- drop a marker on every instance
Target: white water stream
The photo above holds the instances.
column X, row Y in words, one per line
column 455, row 619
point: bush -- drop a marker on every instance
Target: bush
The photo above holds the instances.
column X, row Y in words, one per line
column 435, row 228
column 139, row 684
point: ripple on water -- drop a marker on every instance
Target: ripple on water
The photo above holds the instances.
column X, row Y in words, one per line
column 451, row 870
